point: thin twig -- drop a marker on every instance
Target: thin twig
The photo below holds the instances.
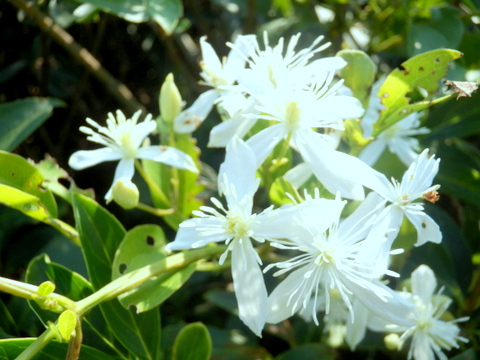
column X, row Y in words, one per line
column 115, row 87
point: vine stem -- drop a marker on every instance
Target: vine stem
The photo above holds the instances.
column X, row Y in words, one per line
column 46, row 24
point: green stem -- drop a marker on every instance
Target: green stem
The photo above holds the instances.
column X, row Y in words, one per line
column 153, row 187
column 37, row 346
column 136, row 278
column 154, row 211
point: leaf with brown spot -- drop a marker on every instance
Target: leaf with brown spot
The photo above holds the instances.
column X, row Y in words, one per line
column 424, row 70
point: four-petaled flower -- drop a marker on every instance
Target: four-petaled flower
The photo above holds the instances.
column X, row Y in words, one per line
column 123, row 140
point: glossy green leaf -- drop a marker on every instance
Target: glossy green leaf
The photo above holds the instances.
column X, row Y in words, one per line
column 18, row 173
column 11, row 348
column 165, row 12
column 423, row 70
column 193, row 343
column 143, row 245
column 101, row 234
column 19, row 119
column 359, row 73
column 470, row 354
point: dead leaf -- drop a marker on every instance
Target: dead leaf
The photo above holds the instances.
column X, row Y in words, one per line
column 462, row 88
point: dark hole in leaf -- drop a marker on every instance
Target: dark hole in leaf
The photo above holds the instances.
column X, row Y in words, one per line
column 437, row 60
column 122, row 268
column 13, row 174
column 150, row 241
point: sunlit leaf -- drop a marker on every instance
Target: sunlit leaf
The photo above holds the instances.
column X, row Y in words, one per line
column 424, row 70
column 142, row 246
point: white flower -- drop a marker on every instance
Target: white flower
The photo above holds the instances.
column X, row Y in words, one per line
column 343, row 258
column 123, row 140
column 430, row 334
column 416, row 185
column 272, row 69
column 237, row 226
column 218, row 74
column 398, row 138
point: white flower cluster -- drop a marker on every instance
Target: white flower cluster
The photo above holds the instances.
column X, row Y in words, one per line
column 338, row 264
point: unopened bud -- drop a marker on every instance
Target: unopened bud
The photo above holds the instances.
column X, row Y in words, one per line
column 125, row 193
column 391, row 341
column 170, row 99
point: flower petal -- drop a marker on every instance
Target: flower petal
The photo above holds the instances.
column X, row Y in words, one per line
column 189, row 234
column 249, row 286
column 427, row 228
column 370, row 154
column 85, row 158
column 125, row 169
column 168, row 155
column 424, row 283
column 239, row 168
column 190, row 119
column 265, row 141
column 238, row 125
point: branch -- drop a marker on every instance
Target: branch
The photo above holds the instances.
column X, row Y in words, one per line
column 115, row 87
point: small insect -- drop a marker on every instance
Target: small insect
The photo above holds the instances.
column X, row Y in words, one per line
column 462, row 88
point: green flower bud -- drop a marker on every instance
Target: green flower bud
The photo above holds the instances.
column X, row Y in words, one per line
column 125, row 193
column 170, row 99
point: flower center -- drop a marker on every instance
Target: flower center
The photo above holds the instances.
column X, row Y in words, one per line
column 325, row 254
column 238, row 226
column 292, row 115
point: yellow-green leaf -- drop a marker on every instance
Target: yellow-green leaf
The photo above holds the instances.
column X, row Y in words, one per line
column 67, row 321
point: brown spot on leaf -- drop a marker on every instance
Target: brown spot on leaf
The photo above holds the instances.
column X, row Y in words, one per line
column 437, row 60
column 421, row 68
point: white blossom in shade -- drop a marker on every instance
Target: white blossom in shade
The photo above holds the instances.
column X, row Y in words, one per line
column 122, row 139
column 238, row 227
column 405, row 198
column 429, row 333
column 343, row 258
column 398, row 139
column 220, row 75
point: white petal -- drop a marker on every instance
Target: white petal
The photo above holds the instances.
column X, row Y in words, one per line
column 221, row 134
column 125, row 169
column 85, row 158
column 210, row 59
column 298, row 175
column 190, row 119
column 249, row 286
column 395, row 310
column 427, row 228
column 239, row 167
column 141, row 131
column 265, row 141
column 279, row 308
column 372, row 151
column 188, row 233
column 340, row 107
column 424, row 283
column 168, row 155
column 356, row 331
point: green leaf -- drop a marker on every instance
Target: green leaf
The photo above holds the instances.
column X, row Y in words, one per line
column 101, row 234
column 142, row 246
column 11, row 348
column 165, row 12
column 359, row 73
column 423, row 70
column 470, row 354
column 279, row 190
column 16, row 172
column 67, row 321
column 19, row 119
column 193, row 343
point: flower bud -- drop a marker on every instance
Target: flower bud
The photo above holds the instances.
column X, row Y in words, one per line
column 125, row 193
column 391, row 341
column 170, row 99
